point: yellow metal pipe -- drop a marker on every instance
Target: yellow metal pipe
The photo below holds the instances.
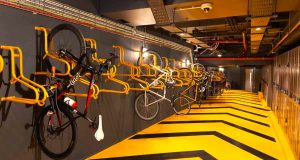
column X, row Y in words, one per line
column 1, row 64
column 23, row 80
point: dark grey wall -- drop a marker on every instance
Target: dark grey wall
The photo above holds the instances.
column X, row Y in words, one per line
column 120, row 121
column 234, row 75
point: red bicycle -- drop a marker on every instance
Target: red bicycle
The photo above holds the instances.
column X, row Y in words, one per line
column 55, row 128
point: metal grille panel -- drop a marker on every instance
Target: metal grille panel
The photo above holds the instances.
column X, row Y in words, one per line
column 159, row 12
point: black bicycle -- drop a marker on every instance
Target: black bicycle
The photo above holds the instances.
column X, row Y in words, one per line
column 55, row 128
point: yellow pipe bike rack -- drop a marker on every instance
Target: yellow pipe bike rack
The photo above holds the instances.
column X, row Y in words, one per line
column 1, row 64
column 67, row 64
column 178, row 82
column 151, row 71
column 134, row 71
column 16, row 53
column 180, row 75
column 110, row 74
column 51, row 55
column 198, row 70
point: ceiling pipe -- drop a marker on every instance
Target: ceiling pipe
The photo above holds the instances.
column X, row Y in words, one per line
column 244, row 43
column 284, row 37
column 225, row 41
column 102, row 24
column 237, row 59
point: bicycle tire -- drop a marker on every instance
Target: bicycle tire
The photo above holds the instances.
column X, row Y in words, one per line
column 39, row 126
column 181, row 106
column 142, row 111
column 78, row 46
column 147, row 60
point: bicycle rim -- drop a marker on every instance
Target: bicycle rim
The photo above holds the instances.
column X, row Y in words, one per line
column 148, row 59
column 65, row 37
column 181, row 106
column 143, row 111
column 54, row 141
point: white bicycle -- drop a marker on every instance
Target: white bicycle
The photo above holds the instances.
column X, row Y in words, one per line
column 147, row 103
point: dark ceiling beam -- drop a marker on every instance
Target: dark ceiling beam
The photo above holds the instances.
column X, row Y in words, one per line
column 216, row 34
column 197, row 23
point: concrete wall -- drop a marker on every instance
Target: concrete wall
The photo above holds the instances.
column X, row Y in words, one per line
column 16, row 132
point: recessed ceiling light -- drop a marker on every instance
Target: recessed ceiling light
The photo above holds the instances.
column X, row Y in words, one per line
column 219, row 55
column 258, row 28
column 181, row 34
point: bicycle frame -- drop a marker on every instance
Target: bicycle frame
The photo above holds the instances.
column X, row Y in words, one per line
column 192, row 99
column 163, row 96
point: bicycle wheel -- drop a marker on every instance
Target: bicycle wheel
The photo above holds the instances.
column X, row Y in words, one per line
column 67, row 38
column 143, row 111
column 181, row 106
column 56, row 141
column 148, row 58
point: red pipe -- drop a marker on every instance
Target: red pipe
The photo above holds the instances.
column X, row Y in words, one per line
column 225, row 42
column 74, row 21
column 237, row 59
column 285, row 37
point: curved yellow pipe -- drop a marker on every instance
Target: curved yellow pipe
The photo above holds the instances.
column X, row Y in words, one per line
column 1, row 64
column 36, row 88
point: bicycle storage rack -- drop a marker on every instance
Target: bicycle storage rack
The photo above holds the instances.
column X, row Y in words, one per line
column 1, row 64
column 110, row 74
column 16, row 53
column 151, row 70
column 134, row 73
column 178, row 82
column 67, row 64
column 179, row 74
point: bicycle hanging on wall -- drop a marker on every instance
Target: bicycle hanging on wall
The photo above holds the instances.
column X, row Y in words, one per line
column 147, row 103
column 56, row 122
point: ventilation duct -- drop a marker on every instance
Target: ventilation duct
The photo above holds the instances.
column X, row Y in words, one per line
column 159, row 12
column 261, row 12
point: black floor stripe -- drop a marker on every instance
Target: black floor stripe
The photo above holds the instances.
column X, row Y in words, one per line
column 203, row 102
column 234, row 115
column 225, row 122
column 217, row 134
column 217, row 100
column 234, row 109
column 164, row 156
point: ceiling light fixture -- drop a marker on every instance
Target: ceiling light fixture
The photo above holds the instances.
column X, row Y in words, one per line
column 219, row 55
column 144, row 49
column 258, row 29
column 181, row 34
column 145, row 54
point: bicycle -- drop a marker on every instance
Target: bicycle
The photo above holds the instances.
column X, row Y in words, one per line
column 147, row 103
column 197, row 87
column 56, row 121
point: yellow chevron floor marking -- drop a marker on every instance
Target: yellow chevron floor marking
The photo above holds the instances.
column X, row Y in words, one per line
column 224, row 131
